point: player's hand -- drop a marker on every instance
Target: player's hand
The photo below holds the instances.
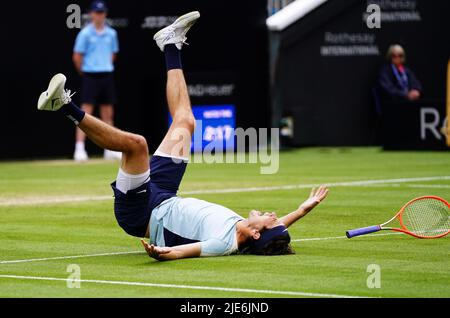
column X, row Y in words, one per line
column 155, row 251
column 413, row 95
column 316, row 196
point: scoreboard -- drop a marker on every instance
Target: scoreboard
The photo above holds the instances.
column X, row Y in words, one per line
column 215, row 127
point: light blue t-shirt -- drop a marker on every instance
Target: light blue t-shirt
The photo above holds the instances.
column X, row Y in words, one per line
column 97, row 48
column 179, row 221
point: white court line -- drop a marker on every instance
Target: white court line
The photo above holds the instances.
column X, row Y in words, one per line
column 50, row 200
column 416, row 186
column 431, row 186
column 67, row 257
column 339, row 237
column 53, row 200
column 222, row 289
column 138, row 252
column 307, row 186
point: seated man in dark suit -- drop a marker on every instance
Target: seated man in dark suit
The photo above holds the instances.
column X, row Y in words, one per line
column 397, row 82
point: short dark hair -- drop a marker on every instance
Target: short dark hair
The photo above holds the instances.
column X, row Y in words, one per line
column 279, row 245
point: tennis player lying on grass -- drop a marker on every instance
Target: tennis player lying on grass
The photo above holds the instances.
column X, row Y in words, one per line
column 146, row 202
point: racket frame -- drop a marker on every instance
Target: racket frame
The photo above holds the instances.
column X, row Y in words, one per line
column 404, row 229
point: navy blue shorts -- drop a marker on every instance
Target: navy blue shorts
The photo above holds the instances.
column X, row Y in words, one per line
column 133, row 209
column 98, row 88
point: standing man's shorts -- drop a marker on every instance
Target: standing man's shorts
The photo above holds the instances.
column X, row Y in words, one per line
column 98, row 89
column 137, row 195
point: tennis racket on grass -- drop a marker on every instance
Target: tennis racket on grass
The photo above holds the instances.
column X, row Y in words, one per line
column 424, row 217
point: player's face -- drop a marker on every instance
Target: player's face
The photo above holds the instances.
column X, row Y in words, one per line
column 98, row 17
column 262, row 221
column 398, row 57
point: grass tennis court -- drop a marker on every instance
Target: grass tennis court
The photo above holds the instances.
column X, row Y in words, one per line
column 52, row 211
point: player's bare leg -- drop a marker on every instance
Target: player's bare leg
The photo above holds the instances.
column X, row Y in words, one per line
column 134, row 147
column 170, row 40
column 177, row 141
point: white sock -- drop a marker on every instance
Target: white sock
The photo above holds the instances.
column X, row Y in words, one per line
column 79, row 146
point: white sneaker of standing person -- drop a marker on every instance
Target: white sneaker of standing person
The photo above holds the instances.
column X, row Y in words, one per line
column 80, row 153
column 112, row 155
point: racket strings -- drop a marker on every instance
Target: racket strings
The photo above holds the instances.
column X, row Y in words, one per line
column 427, row 217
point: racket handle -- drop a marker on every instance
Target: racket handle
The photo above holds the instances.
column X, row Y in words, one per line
column 363, row 230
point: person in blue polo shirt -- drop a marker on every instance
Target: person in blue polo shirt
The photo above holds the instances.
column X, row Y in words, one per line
column 95, row 51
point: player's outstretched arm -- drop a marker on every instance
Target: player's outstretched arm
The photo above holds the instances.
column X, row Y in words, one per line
column 172, row 253
column 316, row 196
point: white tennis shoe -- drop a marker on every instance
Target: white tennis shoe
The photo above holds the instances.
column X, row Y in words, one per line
column 55, row 96
column 80, row 155
column 176, row 32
